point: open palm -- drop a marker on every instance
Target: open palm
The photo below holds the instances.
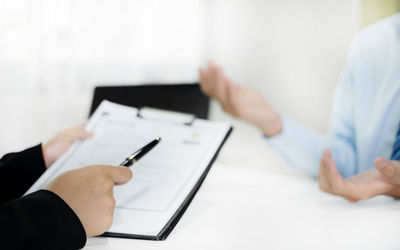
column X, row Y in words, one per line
column 359, row 187
column 239, row 101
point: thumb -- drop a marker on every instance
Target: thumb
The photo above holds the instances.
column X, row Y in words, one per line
column 79, row 133
column 120, row 175
column 391, row 170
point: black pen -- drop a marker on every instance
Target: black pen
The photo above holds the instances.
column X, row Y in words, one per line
column 130, row 160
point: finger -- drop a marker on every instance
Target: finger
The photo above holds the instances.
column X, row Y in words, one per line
column 207, row 68
column 221, row 89
column 323, row 162
column 334, row 178
column 203, row 81
column 212, row 69
column 119, row 175
column 323, row 181
column 79, row 133
column 211, row 65
column 327, row 153
column 78, row 127
column 338, row 184
column 202, row 74
column 389, row 169
column 83, row 134
column 231, row 91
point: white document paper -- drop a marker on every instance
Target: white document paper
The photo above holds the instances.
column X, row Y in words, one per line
column 162, row 179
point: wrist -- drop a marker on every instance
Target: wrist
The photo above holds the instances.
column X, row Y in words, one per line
column 47, row 159
column 272, row 126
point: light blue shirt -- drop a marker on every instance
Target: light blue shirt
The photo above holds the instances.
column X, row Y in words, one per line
column 366, row 109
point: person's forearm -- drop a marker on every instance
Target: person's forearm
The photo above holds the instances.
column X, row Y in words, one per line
column 302, row 148
column 18, row 171
column 40, row 220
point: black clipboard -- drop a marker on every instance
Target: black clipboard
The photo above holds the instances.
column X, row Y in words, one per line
column 167, row 229
column 185, row 97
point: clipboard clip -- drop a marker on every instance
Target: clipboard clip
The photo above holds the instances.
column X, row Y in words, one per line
column 166, row 116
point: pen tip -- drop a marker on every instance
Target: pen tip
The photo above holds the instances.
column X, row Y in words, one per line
column 158, row 138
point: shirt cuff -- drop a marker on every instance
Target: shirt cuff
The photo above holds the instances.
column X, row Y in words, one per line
column 298, row 146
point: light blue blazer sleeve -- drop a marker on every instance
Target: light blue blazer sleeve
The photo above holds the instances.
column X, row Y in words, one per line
column 302, row 148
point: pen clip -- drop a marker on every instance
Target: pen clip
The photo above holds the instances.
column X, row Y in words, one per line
column 135, row 156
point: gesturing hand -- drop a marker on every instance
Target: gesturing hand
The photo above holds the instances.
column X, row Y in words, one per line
column 362, row 186
column 89, row 192
column 239, row 101
column 60, row 143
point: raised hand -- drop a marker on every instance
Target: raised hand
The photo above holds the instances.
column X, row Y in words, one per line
column 239, row 101
column 360, row 187
column 60, row 143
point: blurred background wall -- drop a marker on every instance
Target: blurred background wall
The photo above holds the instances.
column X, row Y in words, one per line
column 53, row 52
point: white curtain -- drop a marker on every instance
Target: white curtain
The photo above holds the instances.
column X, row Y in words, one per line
column 53, row 52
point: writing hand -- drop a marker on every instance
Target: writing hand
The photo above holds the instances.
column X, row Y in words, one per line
column 89, row 193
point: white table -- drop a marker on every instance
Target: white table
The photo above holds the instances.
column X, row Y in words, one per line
column 252, row 200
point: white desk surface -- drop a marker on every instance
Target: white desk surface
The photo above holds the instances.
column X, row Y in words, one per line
column 252, row 200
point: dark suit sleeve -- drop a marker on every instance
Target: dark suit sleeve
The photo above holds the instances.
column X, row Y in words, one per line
column 40, row 220
column 18, row 171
